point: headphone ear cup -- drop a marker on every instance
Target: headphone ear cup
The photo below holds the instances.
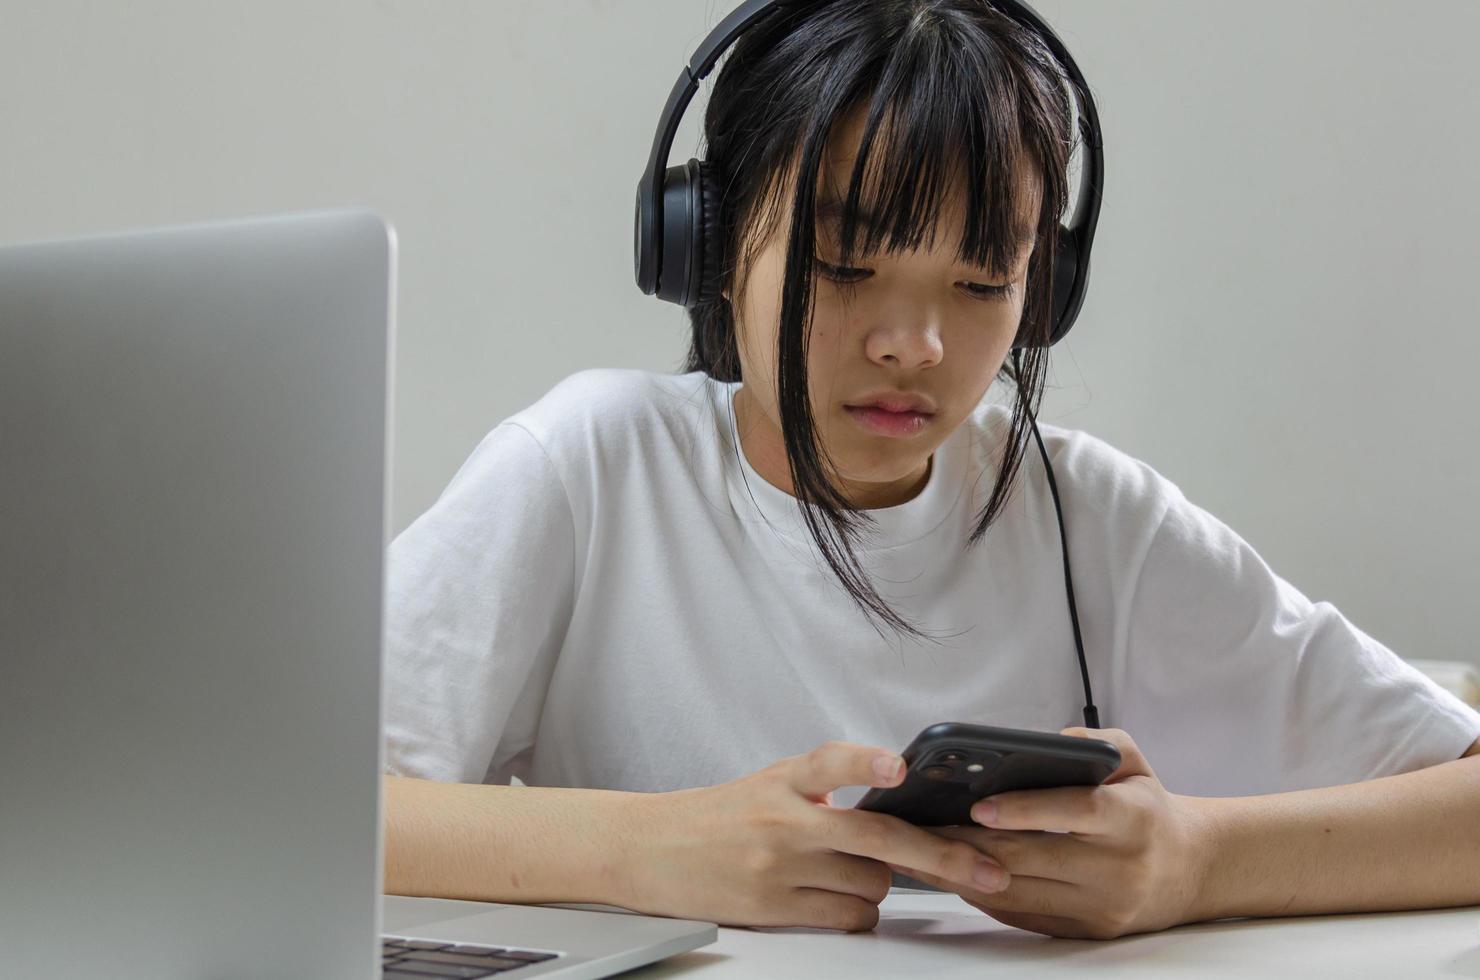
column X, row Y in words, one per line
column 1066, row 299
column 676, row 253
column 691, row 241
column 1066, row 275
column 709, row 235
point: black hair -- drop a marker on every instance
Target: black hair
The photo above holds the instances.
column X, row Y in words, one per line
column 968, row 92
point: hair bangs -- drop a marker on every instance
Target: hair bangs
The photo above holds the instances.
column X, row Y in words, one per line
column 942, row 129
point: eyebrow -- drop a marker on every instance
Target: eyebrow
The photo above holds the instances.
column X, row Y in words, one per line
column 830, row 214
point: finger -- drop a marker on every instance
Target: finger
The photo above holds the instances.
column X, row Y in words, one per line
column 1058, row 908
column 1036, row 896
column 846, row 874
column 1132, row 760
column 1048, row 925
column 834, row 764
column 890, row 840
column 1041, row 897
column 967, row 891
column 822, row 909
column 1092, row 810
column 1034, row 853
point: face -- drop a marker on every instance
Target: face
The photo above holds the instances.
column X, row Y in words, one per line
column 910, row 323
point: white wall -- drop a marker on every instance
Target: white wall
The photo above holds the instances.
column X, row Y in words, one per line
column 1281, row 311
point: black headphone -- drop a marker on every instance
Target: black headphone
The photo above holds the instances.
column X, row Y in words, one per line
column 677, row 251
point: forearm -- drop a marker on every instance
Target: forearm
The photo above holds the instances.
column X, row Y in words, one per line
column 526, row 844
column 1409, row 841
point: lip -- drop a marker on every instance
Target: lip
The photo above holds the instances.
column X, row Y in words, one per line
column 886, row 423
column 896, row 401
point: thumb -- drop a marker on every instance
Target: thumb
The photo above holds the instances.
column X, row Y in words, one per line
column 1132, row 760
column 834, row 764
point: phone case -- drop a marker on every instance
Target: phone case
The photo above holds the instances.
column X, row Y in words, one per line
column 1010, row 759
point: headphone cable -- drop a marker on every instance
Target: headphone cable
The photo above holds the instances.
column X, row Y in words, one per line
column 1091, row 714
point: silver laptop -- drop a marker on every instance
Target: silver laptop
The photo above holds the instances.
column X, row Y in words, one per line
column 193, row 486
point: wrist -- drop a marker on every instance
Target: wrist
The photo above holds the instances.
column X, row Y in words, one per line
column 633, row 823
column 1203, row 819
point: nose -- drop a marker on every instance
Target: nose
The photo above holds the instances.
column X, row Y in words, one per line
column 908, row 340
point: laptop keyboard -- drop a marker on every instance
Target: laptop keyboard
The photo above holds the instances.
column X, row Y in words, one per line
column 418, row 959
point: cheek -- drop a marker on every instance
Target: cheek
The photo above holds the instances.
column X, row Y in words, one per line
column 760, row 315
column 827, row 356
column 985, row 342
column 755, row 335
column 830, row 332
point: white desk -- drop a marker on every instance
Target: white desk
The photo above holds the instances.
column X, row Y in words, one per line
column 927, row 934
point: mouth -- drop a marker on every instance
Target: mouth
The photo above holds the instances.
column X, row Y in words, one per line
column 886, row 423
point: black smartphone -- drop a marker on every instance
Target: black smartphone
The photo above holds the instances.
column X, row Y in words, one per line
column 951, row 765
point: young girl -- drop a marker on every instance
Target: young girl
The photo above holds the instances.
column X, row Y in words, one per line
column 698, row 612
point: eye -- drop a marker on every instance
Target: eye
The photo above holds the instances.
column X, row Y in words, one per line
column 844, row 275
column 989, row 292
column 850, row 276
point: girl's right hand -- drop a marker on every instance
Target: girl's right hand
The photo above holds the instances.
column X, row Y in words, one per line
column 769, row 849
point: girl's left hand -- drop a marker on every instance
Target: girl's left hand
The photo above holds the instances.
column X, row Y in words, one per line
column 1132, row 858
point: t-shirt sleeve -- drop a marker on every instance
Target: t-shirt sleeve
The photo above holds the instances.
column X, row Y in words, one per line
column 478, row 596
column 1238, row 684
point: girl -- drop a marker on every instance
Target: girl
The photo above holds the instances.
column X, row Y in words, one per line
column 696, row 611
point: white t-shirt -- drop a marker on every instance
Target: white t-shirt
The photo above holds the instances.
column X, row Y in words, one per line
column 607, row 595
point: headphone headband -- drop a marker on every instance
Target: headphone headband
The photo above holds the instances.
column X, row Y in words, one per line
column 662, row 189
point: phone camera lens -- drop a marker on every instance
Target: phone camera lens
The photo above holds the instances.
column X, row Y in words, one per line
column 953, row 757
column 937, row 772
